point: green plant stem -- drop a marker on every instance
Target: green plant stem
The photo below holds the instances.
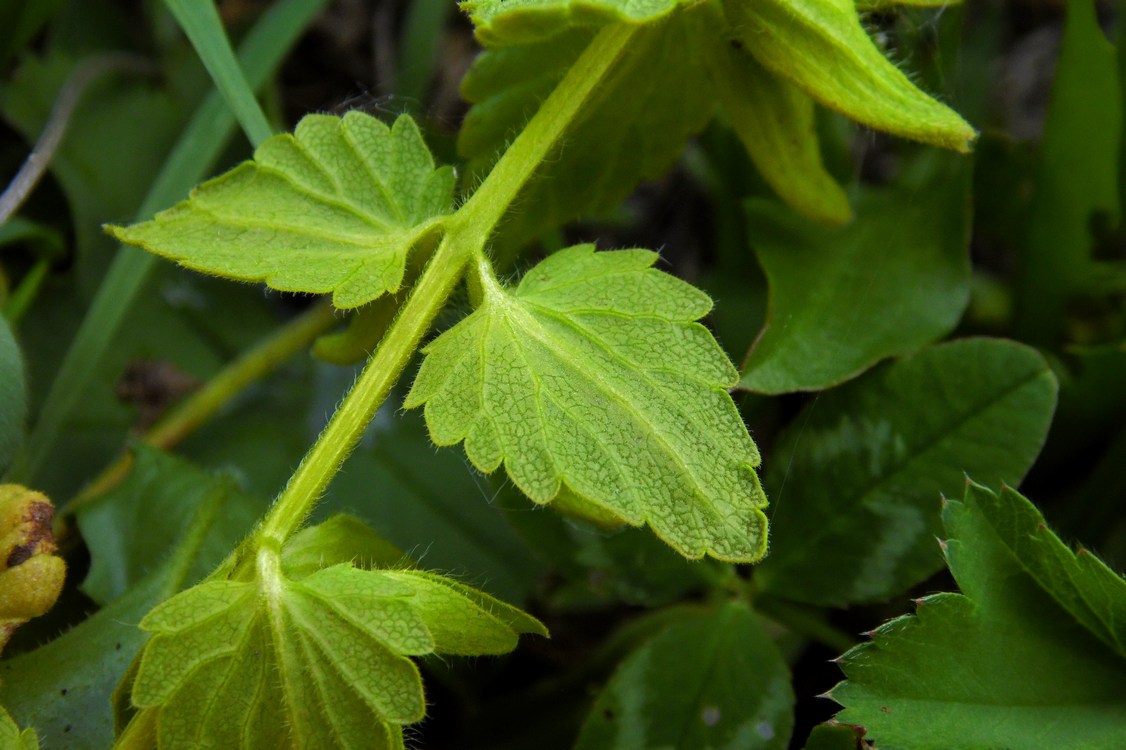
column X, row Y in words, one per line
column 467, row 232
column 804, row 622
column 187, row 416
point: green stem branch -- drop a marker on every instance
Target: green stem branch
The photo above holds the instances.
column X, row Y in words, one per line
column 467, row 233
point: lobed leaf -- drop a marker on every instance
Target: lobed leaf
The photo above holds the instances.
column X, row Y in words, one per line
column 653, row 102
column 1028, row 655
column 863, row 469
column 335, row 207
column 317, row 662
column 716, row 681
column 592, row 377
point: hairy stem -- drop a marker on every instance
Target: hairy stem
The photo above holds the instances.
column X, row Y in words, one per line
column 467, row 233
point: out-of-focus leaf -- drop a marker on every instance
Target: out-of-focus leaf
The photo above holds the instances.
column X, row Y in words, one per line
column 340, row 539
column 856, row 479
column 435, row 506
column 893, row 280
column 593, row 567
column 335, row 207
column 821, row 46
column 716, row 681
column 131, row 530
column 775, row 122
column 1076, row 179
column 1019, row 659
column 103, row 174
column 653, row 102
column 592, row 375
column 13, row 396
column 19, row 22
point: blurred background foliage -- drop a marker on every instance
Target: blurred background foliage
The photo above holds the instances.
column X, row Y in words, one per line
column 1021, row 241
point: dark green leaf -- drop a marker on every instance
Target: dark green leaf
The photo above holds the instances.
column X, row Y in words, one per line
column 131, row 530
column 435, row 506
column 715, row 681
column 63, row 688
column 835, row 737
column 1009, row 662
column 856, row 480
column 893, row 280
column 1077, row 176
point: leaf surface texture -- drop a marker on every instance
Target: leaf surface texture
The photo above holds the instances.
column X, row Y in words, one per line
column 318, row 662
column 593, row 376
column 335, row 207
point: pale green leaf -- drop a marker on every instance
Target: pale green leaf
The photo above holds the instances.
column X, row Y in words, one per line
column 1015, row 660
column 335, row 207
column 715, row 682
column 642, row 116
column 895, row 279
column 317, row 662
column 857, row 479
column 775, row 122
column 821, row 46
column 510, row 22
column 592, row 375
column 13, row 396
column 635, row 126
column 12, row 738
